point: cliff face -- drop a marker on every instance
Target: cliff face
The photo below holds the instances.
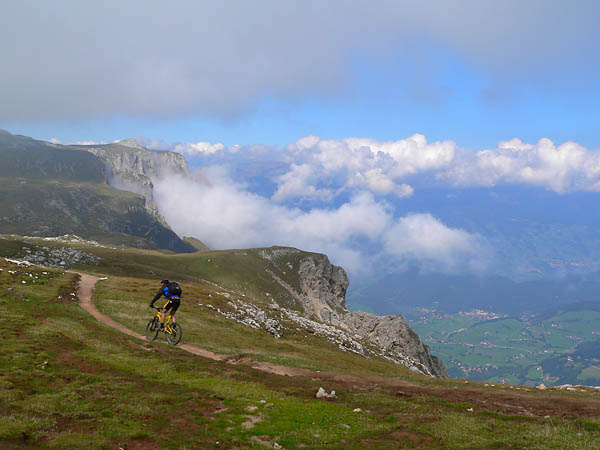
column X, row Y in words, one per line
column 131, row 167
column 320, row 288
column 323, row 284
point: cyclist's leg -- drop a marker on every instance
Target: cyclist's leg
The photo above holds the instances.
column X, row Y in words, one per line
column 166, row 306
column 174, row 306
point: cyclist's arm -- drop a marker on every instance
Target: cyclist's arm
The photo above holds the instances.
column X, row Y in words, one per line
column 156, row 297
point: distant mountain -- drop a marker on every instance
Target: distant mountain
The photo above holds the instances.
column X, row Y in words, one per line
column 48, row 190
column 26, row 158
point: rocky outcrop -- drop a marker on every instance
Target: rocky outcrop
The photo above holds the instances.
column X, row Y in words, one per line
column 392, row 334
column 320, row 289
column 279, row 321
column 323, row 284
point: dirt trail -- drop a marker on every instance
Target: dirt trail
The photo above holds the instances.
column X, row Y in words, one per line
column 86, row 288
column 506, row 401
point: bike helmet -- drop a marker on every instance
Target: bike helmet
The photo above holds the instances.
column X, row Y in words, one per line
column 164, row 282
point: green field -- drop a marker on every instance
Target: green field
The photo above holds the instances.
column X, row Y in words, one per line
column 529, row 350
column 68, row 382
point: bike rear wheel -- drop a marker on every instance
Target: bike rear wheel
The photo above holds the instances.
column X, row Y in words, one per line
column 152, row 329
column 174, row 336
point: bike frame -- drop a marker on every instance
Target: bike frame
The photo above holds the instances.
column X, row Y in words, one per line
column 171, row 329
column 168, row 328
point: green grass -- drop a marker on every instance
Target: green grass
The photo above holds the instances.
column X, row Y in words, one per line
column 68, row 382
column 244, row 271
column 66, row 379
column 208, row 329
column 517, row 345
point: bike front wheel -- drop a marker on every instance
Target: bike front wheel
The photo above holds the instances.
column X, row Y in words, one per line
column 152, row 329
column 174, row 336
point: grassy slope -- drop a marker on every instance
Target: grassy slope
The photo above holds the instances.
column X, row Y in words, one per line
column 207, row 329
column 243, row 271
column 32, row 206
column 27, row 158
column 68, row 382
column 133, row 281
column 196, row 243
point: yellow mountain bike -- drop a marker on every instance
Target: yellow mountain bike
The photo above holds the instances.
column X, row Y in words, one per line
column 172, row 330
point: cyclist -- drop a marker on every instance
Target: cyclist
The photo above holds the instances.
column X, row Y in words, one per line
column 172, row 293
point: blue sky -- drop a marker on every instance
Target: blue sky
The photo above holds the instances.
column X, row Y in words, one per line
column 483, row 74
column 378, row 106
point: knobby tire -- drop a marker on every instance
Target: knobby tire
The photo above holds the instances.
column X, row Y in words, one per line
column 174, row 337
column 152, row 329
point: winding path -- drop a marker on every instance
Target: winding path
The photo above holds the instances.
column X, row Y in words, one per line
column 504, row 401
column 86, row 289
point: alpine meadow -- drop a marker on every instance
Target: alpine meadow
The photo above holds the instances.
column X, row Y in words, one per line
column 299, row 225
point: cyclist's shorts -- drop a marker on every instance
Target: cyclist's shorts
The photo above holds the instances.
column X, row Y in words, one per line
column 173, row 304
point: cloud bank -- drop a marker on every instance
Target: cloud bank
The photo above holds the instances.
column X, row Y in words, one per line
column 354, row 234
column 345, row 197
column 314, row 169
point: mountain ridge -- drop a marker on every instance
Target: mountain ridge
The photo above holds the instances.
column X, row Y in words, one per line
column 50, row 189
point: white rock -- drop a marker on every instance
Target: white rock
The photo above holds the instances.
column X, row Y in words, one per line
column 322, row 393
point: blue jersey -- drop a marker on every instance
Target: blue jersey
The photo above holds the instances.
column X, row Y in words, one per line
column 167, row 293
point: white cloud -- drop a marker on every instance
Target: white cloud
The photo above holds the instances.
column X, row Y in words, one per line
column 199, row 147
column 380, row 167
column 423, row 238
column 224, row 215
column 411, row 155
column 360, row 163
column 404, row 190
column 298, row 183
column 322, row 171
column 55, row 140
column 376, row 181
column 319, row 170
column 564, row 168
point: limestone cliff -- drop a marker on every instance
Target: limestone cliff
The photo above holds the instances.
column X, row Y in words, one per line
column 320, row 288
column 131, row 167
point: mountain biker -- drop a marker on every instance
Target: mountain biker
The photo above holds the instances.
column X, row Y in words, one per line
column 172, row 293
